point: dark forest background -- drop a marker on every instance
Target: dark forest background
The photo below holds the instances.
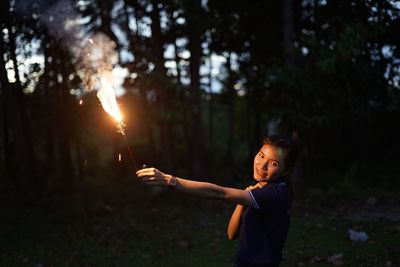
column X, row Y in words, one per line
column 324, row 72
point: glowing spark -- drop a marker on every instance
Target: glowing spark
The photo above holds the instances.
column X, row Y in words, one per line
column 80, row 102
column 119, row 157
column 107, row 96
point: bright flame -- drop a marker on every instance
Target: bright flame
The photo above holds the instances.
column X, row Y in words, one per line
column 80, row 102
column 107, row 96
column 119, row 157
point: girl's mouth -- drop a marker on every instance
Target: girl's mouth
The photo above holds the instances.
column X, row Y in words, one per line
column 263, row 174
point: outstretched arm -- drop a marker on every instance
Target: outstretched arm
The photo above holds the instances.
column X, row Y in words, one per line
column 152, row 176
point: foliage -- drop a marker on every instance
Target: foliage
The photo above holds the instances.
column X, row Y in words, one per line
column 340, row 95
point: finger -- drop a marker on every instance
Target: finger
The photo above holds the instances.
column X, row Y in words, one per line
column 142, row 175
column 145, row 172
column 151, row 171
column 139, row 172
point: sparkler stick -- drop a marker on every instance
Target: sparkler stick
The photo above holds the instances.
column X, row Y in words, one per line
column 122, row 129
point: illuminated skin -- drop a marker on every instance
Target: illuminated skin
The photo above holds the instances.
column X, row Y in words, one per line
column 268, row 164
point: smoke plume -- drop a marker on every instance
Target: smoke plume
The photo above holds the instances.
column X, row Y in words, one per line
column 94, row 54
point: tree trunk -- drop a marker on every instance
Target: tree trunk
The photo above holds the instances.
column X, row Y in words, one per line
column 24, row 158
column 48, row 102
column 6, row 139
column 64, row 143
column 161, row 88
column 196, row 139
column 176, row 50
column 230, row 155
column 157, row 42
column 250, row 119
column 288, row 32
column 106, row 7
column 210, row 158
column 77, row 115
column 64, row 123
column 288, row 15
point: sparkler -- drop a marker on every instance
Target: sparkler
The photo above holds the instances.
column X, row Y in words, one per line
column 106, row 94
column 109, row 103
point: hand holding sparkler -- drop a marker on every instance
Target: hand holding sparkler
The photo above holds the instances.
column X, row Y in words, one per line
column 152, row 176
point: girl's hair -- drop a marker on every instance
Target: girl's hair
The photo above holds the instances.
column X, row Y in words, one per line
column 290, row 149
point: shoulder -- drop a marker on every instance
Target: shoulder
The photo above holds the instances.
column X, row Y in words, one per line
column 273, row 196
column 276, row 188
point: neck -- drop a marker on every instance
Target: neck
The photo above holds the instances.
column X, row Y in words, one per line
column 276, row 180
column 262, row 183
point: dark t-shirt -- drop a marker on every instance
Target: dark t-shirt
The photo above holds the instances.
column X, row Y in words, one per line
column 264, row 226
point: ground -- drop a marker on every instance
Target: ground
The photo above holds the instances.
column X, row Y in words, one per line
column 174, row 229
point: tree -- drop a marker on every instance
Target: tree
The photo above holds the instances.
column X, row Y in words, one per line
column 195, row 137
column 24, row 159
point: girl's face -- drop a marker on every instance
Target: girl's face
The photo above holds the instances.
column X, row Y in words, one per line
column 268, row 164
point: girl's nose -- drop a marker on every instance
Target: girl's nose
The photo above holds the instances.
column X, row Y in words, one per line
column 264, row 165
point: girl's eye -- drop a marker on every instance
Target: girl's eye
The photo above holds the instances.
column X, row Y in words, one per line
column 261, row 155
column 273, row 163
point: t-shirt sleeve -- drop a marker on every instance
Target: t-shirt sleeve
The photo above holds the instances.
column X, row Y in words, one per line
column 272, row 198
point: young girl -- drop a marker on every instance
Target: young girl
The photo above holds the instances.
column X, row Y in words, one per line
column 262, row 215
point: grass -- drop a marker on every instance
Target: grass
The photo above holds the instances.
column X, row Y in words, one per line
column 133, row 226
column 314, row 238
